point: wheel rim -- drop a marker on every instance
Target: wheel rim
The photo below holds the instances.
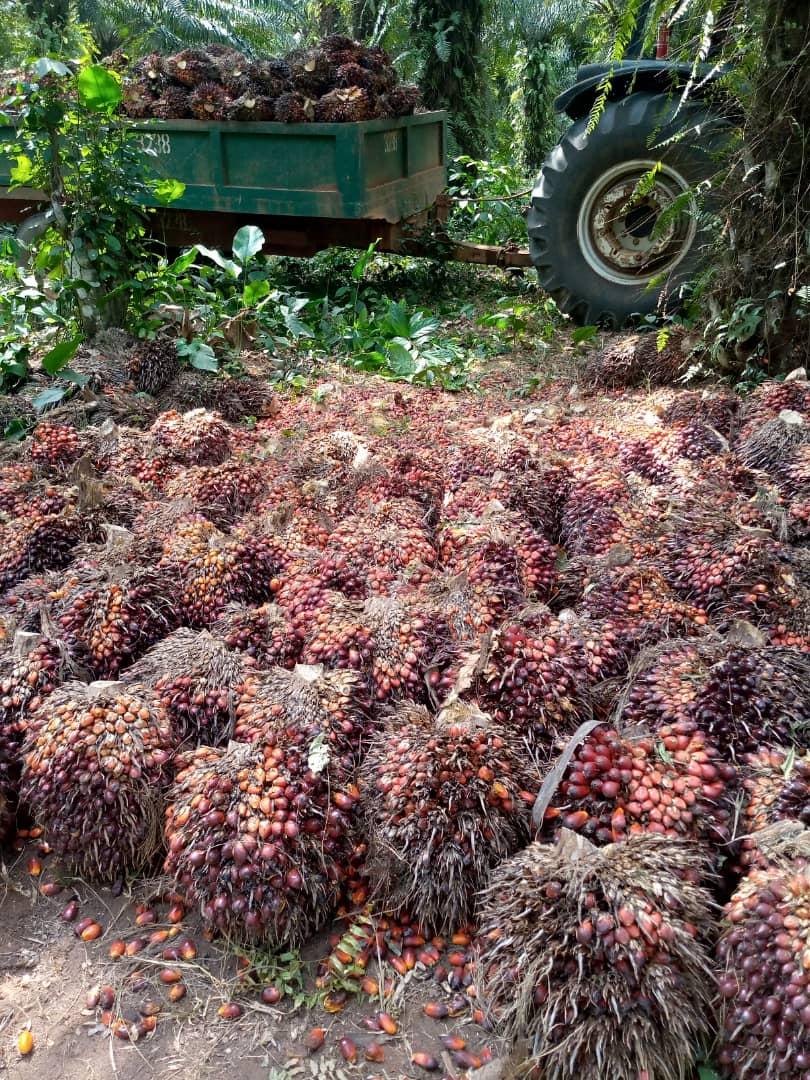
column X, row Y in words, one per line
column 615, row 230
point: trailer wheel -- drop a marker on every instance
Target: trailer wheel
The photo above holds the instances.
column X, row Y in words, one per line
column 591, row 235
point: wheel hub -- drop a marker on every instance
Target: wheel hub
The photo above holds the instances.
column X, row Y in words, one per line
column 617, row 229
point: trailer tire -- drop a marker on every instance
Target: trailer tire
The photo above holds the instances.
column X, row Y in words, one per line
column 602, row 267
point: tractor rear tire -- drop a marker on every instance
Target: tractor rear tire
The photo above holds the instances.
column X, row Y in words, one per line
column 590, row 230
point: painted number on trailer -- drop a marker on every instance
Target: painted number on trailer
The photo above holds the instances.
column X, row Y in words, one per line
column 391, row 141
column 159, row 143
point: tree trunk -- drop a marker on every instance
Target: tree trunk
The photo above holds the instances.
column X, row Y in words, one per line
column 447, row 34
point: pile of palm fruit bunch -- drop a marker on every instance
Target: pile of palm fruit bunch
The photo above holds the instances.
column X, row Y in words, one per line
column 336, row 81
column 541, row 686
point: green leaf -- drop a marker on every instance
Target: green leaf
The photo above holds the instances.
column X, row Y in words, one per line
column 228, row 265
column 49, row 397
column 59, row 355
column 99, row 90
column 584, row 333
column 182, row 262
column 22, row 172
column 46, row 66
column 255, row 291
column 168, row 190
column 15, row 430
column 247, row 242
column 74, row 377
column 706, row 1072
column 199, row 355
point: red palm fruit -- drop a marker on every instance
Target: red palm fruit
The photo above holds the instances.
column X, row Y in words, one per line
column 764, row 962
column 198, row 437
column 674, row 783
column 777, row 788
column 41, row 540
column 54, row 445
column 223, row 492
column 546, row 973
column 94, row 768
column 195, row 678
column 261, row 632
column 666, row 685
column 442, row 807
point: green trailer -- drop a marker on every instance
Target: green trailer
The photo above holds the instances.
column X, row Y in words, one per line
column 308, row 186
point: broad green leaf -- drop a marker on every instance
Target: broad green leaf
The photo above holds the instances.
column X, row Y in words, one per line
column 706, row 1072
column 247, row 242
column 168, row 191
column 255, row 291
column 99, row 89
column 182, row 262
column 401, row 361
column 46, row 66
column 200, row 356
column 49, row 397
column 15, row 430
column 22, row 172
column 228, row 265
column 74, row 377
column 584, row 333
column 60, row 354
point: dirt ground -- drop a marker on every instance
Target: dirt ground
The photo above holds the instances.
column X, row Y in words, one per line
column 46, row 972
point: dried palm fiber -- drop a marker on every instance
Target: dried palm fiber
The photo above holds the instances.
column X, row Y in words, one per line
column 763, row 961
column 259, row 834
column 233, row 398
column 331, row 707
column 195, row 678
column 262, row 632
column 446, row 798
column 94, row 771
column 396, row 643
column 776, row 788
column 598, row 956
column 197, row 437
column 462, row 542
column 533, row 677
column 370, row 552
column 673, row 782
column 115, row 610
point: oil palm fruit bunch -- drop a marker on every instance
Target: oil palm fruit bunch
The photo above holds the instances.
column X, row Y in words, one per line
column 768, row 400
column 16, row 481
column 112, row 614
column 776, row 788
column 331, row 707
column 255, row 107
column 139, row 99
column 151, row 68
column 763, row 960
column 665, row 683
column 209, row 101
column 351, row 74
column 534, row 678
column 445, row 801
column 191, row 67
column 346, row 105
column 222, row 492
column 401, row 100
column 262, row 632
column 597, row 956
column 341, row 49
column 483, row 594
column 198, row 437
column 54, row 445
column 311, row 71
column 94, row 769
column 153, row 364
column 272, row 74
column 715, row 407
column 194, row 677
column 673, row 782
column 39, row 541
column 258, row 836
column 294, row 108
column 756, row 696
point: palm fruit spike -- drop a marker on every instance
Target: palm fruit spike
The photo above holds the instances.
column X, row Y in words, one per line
column 445, row 801
column 267, row 866
column 194, row 677
column 39, row 541
column 209, row 101
column 197, row 437
column 191, row 67
column 111, row 616
column 597, row 956
column 54, row 445
column 153, row 364
column 766, row 447
column 777, row 788
column 674, row 783
column 664, row 684
column 94, row 766
column 534, row 678
column 763, row 959
column 261, row 632
column 756, row 695
column 400, row 100
column 311, row 72
column 330, row 706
